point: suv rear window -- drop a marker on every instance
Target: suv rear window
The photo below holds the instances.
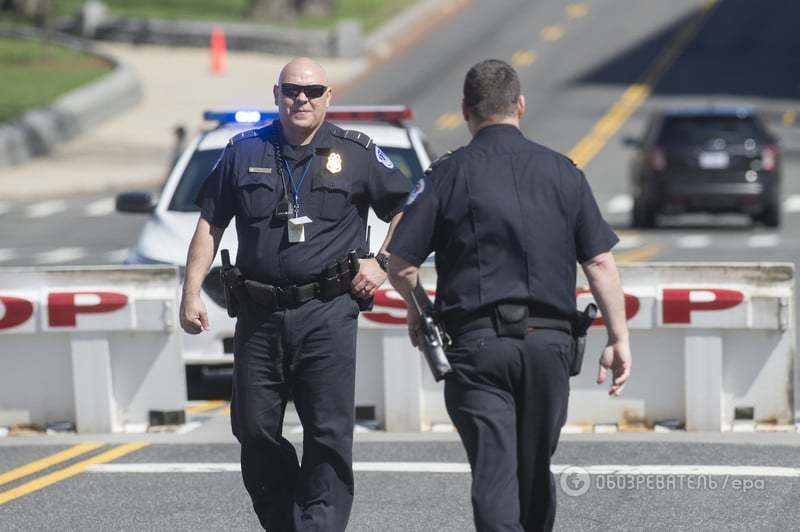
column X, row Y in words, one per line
column 700, row 129
column 202, row 162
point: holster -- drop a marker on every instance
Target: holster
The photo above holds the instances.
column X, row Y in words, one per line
column 580, row 329
column 232, row 285
column 511, row 320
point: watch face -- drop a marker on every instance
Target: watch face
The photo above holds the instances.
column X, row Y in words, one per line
column 383, row 261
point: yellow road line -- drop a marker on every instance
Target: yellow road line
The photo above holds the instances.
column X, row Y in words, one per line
column 577, row 10
column 225, row 411
column 47, row 461
column 204, row 407
column 449, row 120
column 523, row 58
column 639, row 254
column 633, row 97
column 67, row 472
column 789, row 117
column 552, row 33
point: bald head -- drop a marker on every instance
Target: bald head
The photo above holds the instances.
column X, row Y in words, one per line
column 301, row 113
column 303, row 71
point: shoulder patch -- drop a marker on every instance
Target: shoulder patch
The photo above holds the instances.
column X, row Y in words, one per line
column 250, row 133
column 352, row 135
column 418, row 189
column 383, row 158
column 440, row 160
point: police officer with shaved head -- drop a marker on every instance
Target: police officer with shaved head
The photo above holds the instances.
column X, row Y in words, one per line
column 509, row 220
column 300, row 190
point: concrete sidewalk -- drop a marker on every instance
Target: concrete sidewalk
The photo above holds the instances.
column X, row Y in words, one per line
column 134, row 148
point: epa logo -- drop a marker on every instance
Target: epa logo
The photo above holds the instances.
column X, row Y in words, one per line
column 575, row 481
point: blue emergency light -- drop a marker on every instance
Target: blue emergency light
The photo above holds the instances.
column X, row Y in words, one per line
column 242, row 116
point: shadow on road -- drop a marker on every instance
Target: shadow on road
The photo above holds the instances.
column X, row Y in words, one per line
column 744, row 48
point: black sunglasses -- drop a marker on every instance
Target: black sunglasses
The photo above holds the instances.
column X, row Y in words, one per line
column 291, row 90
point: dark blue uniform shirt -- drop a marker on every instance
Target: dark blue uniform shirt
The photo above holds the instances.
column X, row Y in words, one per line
column 508, row 220
column 348, row 173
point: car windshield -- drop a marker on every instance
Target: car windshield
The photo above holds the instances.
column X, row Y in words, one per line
column 700, row 129
column 202, row 162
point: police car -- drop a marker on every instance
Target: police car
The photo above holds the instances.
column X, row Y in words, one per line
column 166, row 235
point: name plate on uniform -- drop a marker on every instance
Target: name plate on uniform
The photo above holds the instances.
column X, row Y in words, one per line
column 259, row 170
column 297, row 229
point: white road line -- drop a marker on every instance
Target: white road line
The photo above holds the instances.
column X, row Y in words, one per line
column 619, row 204
column 792, row 203
column 763, row 241
column 8, row 254
column 102, row 207
column 189, row 427
column 628, row 241
column 460, row 467
column 117, row 256
column 45, row 208
column 693, row 241
column 59, row 255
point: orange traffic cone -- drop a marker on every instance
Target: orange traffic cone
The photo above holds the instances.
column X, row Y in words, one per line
column 218, row 51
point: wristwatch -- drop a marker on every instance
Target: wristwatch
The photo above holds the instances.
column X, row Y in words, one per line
column 382, row 260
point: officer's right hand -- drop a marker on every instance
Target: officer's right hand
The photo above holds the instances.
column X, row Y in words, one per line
column 413, row 319
column 194, row 317
column 616, row 357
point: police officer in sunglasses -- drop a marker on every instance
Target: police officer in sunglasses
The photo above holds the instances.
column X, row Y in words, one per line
column 300, row 191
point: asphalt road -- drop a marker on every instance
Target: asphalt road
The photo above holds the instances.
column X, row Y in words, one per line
column 576, row 61
column 203, row 491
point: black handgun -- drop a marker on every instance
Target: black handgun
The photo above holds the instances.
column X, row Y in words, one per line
column 433, row 341
column 231, row 278
column 583, row 321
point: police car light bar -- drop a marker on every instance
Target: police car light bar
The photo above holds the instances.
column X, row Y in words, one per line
column 370, row 113
column 367, row 113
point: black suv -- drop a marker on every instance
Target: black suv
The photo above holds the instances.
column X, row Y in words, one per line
column 711, row 160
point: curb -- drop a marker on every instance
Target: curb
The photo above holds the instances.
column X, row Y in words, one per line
column 342, row 40
column 37, row 131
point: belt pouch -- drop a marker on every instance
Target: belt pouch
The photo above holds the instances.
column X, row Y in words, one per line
column 511, row 320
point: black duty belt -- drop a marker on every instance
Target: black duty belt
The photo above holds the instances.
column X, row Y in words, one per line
column 333, row 282
column 456, row 327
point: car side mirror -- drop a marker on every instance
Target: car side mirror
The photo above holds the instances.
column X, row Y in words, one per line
column 136, row 202
column 632, row 142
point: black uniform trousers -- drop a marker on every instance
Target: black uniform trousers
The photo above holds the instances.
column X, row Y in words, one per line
column 508, row 400
column 310, row 352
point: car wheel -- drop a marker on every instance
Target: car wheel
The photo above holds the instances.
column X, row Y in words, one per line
column 642, row 215
column 771, row 217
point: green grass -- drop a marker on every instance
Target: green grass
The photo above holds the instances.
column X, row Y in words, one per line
column 370, row 12
column 35, row 73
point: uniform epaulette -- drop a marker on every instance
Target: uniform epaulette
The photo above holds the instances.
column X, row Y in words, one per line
column 250, row 133
column 440, row 160
column 355, row 136
column 573, row 162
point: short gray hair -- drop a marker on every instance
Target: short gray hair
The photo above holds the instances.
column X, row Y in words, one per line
column 491, row 88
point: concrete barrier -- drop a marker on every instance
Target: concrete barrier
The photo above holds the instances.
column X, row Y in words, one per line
column 96, row 346
column 713, row 344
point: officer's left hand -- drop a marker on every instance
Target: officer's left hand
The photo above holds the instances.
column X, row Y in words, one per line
column 369, row 278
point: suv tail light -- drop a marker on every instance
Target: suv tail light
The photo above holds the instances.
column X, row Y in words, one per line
column 657, row 158
column 769, row 157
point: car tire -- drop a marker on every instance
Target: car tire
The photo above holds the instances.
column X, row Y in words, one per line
column 643, row 216
column 771, row 217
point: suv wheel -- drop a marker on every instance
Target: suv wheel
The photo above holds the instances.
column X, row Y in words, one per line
column 643, row 215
